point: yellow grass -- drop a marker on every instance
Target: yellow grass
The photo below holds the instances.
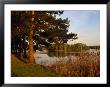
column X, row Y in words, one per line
column 84, row 66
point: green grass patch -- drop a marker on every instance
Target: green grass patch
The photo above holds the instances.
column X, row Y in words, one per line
column 21, row 69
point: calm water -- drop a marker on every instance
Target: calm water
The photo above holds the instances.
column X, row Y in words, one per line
column 51, row 58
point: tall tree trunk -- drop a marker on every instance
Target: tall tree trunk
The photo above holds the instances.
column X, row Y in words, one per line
column 31, row 51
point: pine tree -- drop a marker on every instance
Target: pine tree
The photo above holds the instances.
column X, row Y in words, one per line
column 41, row 27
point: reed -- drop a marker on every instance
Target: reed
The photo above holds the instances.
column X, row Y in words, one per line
column 86, row 65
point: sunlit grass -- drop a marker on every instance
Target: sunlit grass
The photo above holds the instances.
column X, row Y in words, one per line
column 21, row 69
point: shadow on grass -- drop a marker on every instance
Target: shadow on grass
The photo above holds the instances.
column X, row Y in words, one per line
column 21, row 69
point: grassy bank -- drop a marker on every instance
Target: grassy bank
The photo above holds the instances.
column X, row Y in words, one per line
column 85, row 65
column 21, row 69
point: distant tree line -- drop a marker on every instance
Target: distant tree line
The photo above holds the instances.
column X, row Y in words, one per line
column 78, row 47
column 94, row 47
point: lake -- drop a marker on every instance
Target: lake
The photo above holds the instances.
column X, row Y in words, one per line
column 51, row 58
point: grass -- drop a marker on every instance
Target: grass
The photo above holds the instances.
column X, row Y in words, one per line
column 83, row 66
column 21, row 69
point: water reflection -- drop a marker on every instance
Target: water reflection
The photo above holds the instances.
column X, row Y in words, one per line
column 62, row 54
column 51, row 58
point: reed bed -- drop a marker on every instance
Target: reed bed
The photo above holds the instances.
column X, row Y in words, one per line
column 85, row 65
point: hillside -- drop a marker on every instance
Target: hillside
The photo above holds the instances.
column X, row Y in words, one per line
column 21, row 69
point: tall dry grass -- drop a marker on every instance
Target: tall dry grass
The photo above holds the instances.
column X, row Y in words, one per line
column 85, row 65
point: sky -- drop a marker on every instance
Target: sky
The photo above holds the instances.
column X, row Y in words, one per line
column 86, row 23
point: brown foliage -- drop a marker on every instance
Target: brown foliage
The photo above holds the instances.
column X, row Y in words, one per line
column 85, row 65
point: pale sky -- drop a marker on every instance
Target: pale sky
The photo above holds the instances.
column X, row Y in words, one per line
column 86, row 23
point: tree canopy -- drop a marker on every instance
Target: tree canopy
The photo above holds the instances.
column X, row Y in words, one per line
column 47, row 28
